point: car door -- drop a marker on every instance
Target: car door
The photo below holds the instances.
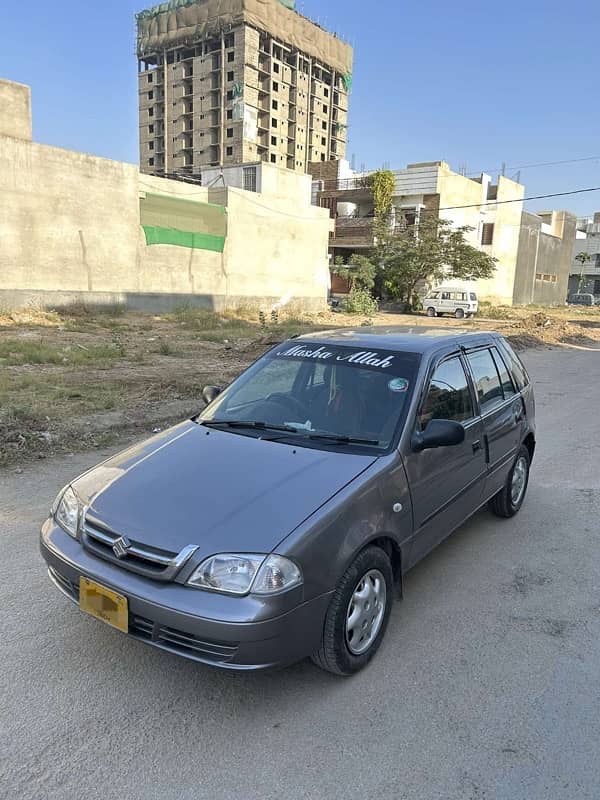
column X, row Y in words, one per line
column 501, row 410
column 446, row 483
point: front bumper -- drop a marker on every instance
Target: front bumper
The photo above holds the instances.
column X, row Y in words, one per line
column 162, row 614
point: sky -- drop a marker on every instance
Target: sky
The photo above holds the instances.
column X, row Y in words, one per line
column 472, row 83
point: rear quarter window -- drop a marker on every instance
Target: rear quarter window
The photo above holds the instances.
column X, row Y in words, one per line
column 515, row 365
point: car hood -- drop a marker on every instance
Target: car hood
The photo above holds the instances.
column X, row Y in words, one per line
column 222, row 491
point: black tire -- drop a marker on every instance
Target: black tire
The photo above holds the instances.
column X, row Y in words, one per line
column 431, row 312
column 334, row 655
column 459, row 313
column 502, row 504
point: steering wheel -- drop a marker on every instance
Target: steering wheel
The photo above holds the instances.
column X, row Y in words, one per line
column 288, row 403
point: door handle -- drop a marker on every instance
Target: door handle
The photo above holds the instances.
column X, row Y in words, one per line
column 476, row 446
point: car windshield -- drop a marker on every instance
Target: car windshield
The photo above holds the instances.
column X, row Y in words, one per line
column 320, row 395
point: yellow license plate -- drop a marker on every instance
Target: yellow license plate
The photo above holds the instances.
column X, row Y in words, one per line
column 103, row 604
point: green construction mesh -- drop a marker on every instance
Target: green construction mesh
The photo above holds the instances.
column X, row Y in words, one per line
column 184, row 223
column 173, row 5
column 347, row 80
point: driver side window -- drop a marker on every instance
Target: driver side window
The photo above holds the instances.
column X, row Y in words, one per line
column 448, row 396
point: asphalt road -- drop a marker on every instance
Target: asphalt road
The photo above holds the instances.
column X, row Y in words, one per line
column 487, row 685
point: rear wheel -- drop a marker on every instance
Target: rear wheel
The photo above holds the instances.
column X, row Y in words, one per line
column 358, row 614
column 431, row 312
column 510, row 498
column 459, row 313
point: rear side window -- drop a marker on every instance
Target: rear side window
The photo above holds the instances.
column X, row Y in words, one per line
column 518, row 371
column 448, row 396
column 472, row 296
column 486, row 379
column 505, row 379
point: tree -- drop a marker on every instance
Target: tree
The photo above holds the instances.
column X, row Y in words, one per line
column 359, row 271
column 431, row 250
column 583, row 259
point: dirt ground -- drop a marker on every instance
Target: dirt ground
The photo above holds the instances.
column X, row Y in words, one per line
column 75, row 380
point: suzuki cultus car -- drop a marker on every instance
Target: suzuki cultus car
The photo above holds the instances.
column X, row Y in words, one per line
column 279, row 522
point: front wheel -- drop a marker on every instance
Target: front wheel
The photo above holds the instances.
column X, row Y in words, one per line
column 459, row 313
column 510, row 498
column 358, row 614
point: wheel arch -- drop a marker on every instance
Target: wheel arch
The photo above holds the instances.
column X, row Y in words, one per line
column 392, row 549
column 529, row 442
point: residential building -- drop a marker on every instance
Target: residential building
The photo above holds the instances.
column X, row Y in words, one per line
column 77, row 228
column 544, row 258
column 428, row 187
column 239, row 82
column 585, row 276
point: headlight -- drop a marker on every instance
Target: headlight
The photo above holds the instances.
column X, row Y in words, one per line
column 240, row 573
column 66, row 511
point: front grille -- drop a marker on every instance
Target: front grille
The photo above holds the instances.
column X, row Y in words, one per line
column 152, row 562
column 176, row 641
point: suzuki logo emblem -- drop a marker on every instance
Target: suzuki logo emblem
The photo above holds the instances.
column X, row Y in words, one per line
column 121, row 546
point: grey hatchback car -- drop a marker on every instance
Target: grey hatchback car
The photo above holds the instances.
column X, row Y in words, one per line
column 279, row 522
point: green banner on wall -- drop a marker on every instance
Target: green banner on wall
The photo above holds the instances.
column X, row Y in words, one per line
column 171, row 220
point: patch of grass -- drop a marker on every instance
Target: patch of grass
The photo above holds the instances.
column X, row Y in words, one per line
column 15, row 352
column 41, row 396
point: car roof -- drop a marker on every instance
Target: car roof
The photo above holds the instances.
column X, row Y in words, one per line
column 403, row 338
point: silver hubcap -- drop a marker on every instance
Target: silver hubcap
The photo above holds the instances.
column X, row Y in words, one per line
column 365, row 612
column 519, row 478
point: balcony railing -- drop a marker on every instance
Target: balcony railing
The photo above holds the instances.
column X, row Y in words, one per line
column 347, row 184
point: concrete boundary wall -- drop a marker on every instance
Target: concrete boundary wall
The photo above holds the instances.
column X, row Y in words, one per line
column 70, row 232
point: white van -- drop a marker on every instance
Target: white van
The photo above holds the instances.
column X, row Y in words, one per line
column 455, row 300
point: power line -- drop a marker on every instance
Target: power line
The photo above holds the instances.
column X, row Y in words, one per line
column 522, row 199
column 539, row 164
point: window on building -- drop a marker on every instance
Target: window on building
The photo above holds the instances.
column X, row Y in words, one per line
column 229, row 113
column 486, row 378
column 150, row 78
column 324, row 126
column 322, row 156
column 230, row 75
column 274, row 105
column 538, row 276
column 230, row 94
column 273, row 122
column 151, row 129
column 230, row 133
column 325, row 108
column 229, row 40
column 448, row 396
column 325, row 92
column 150, row 145
column 273, row 158
column 323, row 141
column 487, row 233
column 250, row 179
column 275, row 86
column 151, row 162
column 150, row 112
column 229, row 151
column 274, row 140
column 230, row 56
column 275, row 67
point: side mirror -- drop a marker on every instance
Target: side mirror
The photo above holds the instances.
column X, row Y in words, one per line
column 438, row 433
column 210, row 392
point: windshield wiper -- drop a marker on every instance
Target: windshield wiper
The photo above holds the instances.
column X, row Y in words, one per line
column 244, row 423
column 333, row 437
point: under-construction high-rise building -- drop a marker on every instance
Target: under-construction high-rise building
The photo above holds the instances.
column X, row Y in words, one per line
column 225, row 82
